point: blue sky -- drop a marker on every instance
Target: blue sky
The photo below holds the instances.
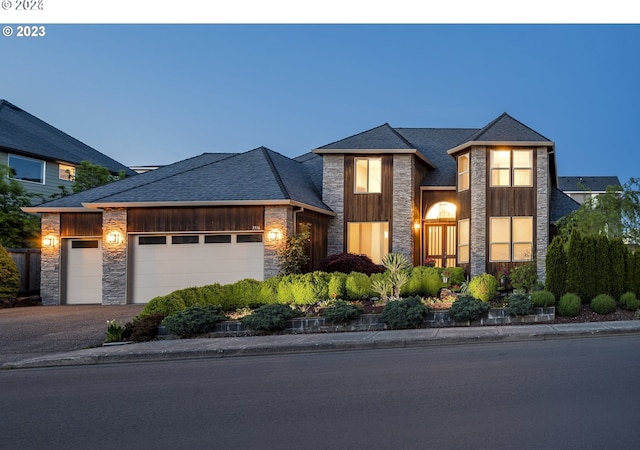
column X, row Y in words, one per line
column 156, row 94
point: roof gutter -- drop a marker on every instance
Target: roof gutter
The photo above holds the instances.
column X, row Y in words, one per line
column 501, row 144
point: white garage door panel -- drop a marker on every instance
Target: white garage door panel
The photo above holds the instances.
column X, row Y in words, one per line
column 83, row 272
column 164, row 268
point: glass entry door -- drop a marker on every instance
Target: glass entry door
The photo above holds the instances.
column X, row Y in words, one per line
column 440, row 243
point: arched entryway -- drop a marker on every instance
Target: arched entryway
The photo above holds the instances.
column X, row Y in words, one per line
column 439, row 234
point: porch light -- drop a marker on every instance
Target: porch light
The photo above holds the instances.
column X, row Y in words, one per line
column 49, row 241
column 274, row 235
column 416, row 226
column 114, row 237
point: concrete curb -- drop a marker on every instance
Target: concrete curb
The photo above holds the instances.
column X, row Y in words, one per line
column 163, row 350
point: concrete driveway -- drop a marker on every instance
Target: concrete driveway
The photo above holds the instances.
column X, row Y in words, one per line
column 40, row 330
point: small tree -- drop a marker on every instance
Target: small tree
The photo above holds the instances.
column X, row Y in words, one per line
column 17, row 228
column 556, row 268
column 293, row 254
column 89, row 175
column 9, row 276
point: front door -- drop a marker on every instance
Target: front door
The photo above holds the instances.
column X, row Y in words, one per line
column 440, row 243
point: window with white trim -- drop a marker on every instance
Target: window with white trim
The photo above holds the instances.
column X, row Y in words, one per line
column 368, row 175
column 510, row 238
column 463, row 172
column 511, row 168
column 368, row 238
column 463, row 241
column 26, row 169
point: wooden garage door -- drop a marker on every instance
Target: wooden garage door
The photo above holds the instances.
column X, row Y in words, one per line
column 165, row 263
column 83, row 271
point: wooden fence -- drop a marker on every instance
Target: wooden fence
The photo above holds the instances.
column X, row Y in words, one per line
column 28, row 262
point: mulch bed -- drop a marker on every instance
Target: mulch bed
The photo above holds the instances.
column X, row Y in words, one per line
column 586, row 315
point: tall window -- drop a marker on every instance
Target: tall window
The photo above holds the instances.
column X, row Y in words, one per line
column 26, row 169
column 463, row 172
column 463, row 241
column 511, row 167
column 511, row 238
column 368, row 238
column 368, row 175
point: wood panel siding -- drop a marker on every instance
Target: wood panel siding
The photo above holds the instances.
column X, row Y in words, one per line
column 319, row 228
column 215, row 218
column 80, row 224
column 368, row 207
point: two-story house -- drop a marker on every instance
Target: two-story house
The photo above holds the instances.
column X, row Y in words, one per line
column 475, row 198
column 41, row 157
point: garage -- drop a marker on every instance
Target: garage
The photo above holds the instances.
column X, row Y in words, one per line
column 163, row 263
column 83, row 271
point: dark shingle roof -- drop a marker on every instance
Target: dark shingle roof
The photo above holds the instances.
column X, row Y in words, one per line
column 259, row 175
column 380, row 138
column 25, row 133
column 593, row 184
column 561, row 205
column 506, row 128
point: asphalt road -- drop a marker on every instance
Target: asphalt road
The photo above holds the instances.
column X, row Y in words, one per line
column 41, row 330
column 571, row 393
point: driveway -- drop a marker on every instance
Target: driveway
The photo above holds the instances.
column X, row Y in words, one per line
column 40, row 330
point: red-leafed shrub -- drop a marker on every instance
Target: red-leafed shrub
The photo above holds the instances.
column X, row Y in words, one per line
column 349, row 262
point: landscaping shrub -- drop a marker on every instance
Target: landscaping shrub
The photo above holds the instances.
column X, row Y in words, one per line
column 380, row 286
column 349, row 262
column 194, row 320
column 268, row 291
column 629, row 301
column 241, row 294
column 397, row 266
column 467, row 308
column 358, row 286
column 114, row 331
column 9, row 276
column 603, row 304
column 519, row 305
column 556, row 268
column 404, row 313
column 142, row 329
column 524, row 276
column 457, row 276
column 271, row 317
column 337, row 285
column 483, row 287
column 342, row 312
column 166, row 305
column 569, row 305
column 542, row 299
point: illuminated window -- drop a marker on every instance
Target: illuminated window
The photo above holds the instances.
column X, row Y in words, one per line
column 511, row 238
column 368, row 238
column 463, row 172
column 368, row 175
column 66, row 172
column 442, row 211
column 26, row 169
column 463, row 241
column 511, row 167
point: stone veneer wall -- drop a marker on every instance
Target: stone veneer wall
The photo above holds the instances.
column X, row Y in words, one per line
column 543, row 207
column 114, row 258
column 50, row 261
column 402, row 221
column 333, row 197
column 275, row 217
column 478, row 225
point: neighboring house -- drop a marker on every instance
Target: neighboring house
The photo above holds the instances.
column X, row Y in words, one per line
column 42, row 157
column 582, row 189
column 476, row 198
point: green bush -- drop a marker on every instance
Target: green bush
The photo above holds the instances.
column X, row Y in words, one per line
column 337, row 285
column 268, row 292
column 166, row 305
column 483, row 287
column 569, row 305
column 9, row 276
column 519, row 305
column 142, row 329
column 358, row 286
column 342, row 312
column 524, row 276
column 556, row 268
column 404, row 313
column 241, row 294
column 467, row 308
column 629, row 301
column 380, row 286
column 271, row 317
column 457, row 276
column 194, row 320
column 542, row 299
column 603, row 304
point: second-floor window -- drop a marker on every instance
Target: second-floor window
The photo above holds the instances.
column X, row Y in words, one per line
column 463, row 172
column 368, row 175
column 26, row 169
column 511, row 168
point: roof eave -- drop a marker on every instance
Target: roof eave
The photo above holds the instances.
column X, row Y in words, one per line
column 465, row 145
column 373, row 151
column 56, row 209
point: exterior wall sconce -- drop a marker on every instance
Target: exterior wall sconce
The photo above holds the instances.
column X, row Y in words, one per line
column 274, row 235
column 416, row 226
column 49, row 241
column 114, row 237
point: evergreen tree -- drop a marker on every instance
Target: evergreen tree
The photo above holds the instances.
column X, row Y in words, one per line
column 556, row 268
column 574, row 266
column 602, row 275
column 9, row 276
column 17, row 228
column 618, row 257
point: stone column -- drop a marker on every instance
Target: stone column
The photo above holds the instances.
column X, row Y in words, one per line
column 478, row 223
column 275, row 218
column 114, row 257
column 402, row 222
column 50, row 260
column 333, row 197
column 543, row 206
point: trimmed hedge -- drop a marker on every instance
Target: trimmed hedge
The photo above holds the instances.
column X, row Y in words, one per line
column 603, row 304
column 629, row 301
column 542, row 299
column 569, row 305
